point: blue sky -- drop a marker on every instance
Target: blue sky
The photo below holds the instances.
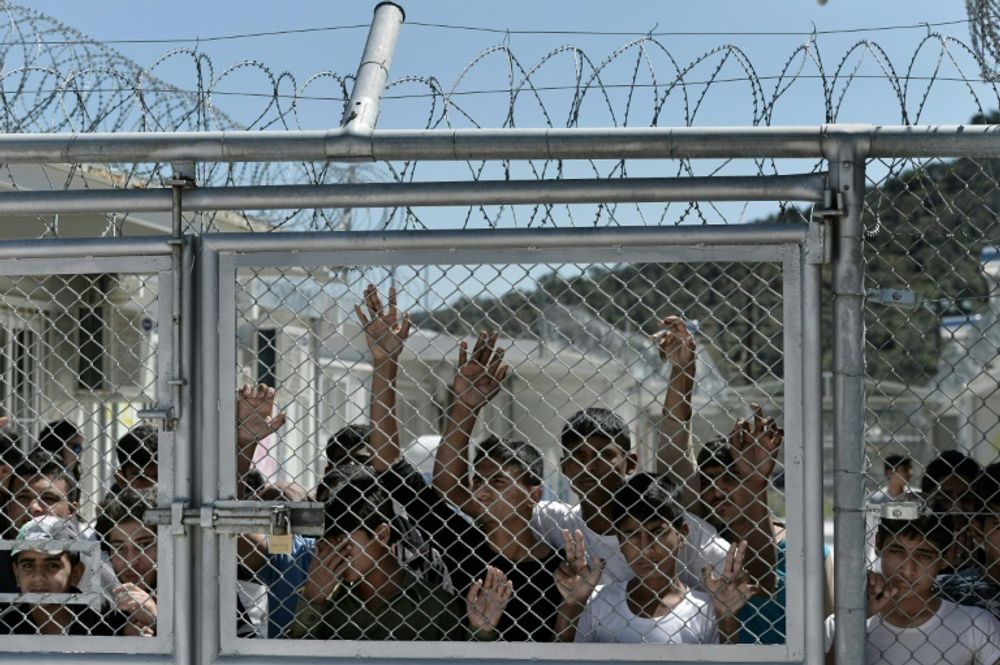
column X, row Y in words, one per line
column 443, row 53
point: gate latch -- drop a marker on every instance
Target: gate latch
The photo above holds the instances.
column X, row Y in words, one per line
column 162, row 413
column 230, row 516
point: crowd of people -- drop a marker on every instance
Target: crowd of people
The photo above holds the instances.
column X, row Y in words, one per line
column 690, row 552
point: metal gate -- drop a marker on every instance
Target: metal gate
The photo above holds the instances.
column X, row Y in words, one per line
column 799, row 251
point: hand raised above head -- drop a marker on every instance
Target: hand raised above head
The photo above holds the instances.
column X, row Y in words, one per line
column 754, row 444
column 255, row 416
column 479, row 375
column 675, row 343
column 385, row 332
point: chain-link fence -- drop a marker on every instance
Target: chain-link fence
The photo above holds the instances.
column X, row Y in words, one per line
column 477, row 460
column 524, row 436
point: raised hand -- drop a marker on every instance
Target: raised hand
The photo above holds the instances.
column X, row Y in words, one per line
column 384, row 331
column 327, row 569
column 487, row 599
column 675, row 342
column 754, row 444
column 880, row 593
column 731, row 590
column 479, row 375
column 255, row 417
column 575, row 578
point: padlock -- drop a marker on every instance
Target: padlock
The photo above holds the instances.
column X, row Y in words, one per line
column 279, row 540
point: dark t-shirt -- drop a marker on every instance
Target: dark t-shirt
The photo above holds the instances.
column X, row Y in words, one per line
column 531, row 611
column 8, row 583
column 16, row 620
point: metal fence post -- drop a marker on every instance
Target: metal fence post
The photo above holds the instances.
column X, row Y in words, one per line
column 846, row 153
column 373, row 72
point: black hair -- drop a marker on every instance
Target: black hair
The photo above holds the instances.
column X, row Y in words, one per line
column 948, row 463
column 56, row 435
column 715, row 452
column 360, row 502
column 646, row 497
column 519, row 454
column 345, row 442
column 254, row 480
column 125, row 506
column 987, row 489
column 599, row 422
column 137, row 447
column 936, row 528
column 43, row 463
column 893, row 462
column 11, row 453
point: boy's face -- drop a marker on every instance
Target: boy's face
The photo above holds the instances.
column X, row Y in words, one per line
column 722, row 494
column 39, row 496
column 500, row 493
column 910, row 563
column 954, row 495
column 132, row 550
column 42, row 572
column 364, row 551
column 596, row 465
column 139, row 479
column 650, row 547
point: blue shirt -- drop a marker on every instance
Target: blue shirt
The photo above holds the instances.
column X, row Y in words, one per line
column 284, row 575
column 762, row 619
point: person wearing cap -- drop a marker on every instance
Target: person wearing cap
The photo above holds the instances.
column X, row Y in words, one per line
column 44, row 563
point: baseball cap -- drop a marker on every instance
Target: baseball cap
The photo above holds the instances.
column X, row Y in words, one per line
column 47, row 534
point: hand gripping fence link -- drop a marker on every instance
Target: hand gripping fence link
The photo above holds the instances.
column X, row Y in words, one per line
column 516, row 436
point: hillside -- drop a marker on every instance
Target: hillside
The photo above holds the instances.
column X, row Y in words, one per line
column 925, row 226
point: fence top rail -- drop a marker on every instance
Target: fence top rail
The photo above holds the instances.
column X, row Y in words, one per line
column 496, row 144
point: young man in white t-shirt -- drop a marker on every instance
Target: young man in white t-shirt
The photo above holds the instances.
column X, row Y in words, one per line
column 597, row 458
column 908, row 622
column 653, row 606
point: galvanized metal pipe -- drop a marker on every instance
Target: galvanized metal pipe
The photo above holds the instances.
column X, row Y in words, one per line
column 346, row 144
column 812, row 461
column 847, row 174
column 624, row 236
column 350, row 144
column 970, row 141
column 808, row 187
column 205, row 485
column 373, row 71
column 184, row 435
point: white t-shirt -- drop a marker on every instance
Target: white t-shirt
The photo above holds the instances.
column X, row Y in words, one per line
column 702, row 547
column 955, row 635
column 607, row 618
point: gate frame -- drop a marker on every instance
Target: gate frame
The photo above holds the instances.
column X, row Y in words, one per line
column 801, row 249
column 140, row 257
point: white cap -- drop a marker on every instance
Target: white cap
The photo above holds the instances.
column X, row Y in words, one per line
column 40, row 533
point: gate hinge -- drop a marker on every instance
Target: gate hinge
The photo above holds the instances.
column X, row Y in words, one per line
column 229, row 516
column 898, row 297
column 818, row 249
column 833, row 205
